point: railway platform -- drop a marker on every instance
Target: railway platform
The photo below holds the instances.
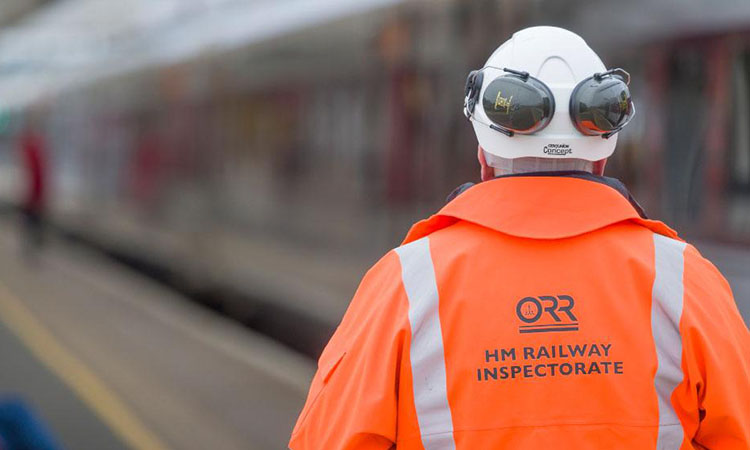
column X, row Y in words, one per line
column 110, row 359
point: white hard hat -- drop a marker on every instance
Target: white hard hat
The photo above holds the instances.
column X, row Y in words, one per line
column 535, row 75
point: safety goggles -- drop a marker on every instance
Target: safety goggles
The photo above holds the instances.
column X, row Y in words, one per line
column 517, row 103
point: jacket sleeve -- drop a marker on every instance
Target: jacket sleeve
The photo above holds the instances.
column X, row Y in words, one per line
column 352, row 402
column 716, row 360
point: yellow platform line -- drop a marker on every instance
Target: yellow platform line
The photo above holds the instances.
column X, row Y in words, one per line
column 79, row 378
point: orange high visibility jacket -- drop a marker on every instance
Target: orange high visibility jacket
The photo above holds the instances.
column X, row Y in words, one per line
column 535, row 312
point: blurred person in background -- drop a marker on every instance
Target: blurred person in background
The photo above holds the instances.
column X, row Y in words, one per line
column 21, row 428
column 35, row 165
column 540, row 308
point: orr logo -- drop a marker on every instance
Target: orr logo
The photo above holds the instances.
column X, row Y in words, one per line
column 546, row 313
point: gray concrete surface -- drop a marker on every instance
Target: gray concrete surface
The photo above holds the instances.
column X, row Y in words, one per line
column 195, row 379
column 67, row 418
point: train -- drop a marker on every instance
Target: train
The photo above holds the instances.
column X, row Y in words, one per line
column 268, row 177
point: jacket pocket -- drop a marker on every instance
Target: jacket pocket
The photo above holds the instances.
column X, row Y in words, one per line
column 328, row 370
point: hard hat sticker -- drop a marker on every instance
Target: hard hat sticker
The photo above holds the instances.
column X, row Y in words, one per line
column 557, row 149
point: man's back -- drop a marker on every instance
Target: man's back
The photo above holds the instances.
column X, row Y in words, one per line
column 536, row 312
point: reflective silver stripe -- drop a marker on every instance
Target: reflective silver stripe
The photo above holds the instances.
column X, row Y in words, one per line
column 666, row 311
column 427, row 356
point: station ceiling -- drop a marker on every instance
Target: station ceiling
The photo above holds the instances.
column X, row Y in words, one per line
column 49, row 46
column 12, row 10
column 68, row 42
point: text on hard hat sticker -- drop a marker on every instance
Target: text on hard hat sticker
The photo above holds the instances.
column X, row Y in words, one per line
column 557, row 149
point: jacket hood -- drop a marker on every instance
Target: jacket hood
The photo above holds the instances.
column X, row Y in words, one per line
column 539, row 207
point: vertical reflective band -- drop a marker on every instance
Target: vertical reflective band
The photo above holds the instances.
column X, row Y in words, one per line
column 666, row 311
column 427, row 357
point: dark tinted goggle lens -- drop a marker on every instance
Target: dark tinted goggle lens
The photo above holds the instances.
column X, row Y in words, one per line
column 600, row 106
column 519, row 105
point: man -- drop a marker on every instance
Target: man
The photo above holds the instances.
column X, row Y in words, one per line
column 539, row 309
column 33, row 203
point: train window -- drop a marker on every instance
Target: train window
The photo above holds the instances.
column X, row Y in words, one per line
column 739, row 151
column 685, row 135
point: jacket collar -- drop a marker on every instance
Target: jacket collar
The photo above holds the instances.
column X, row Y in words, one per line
column 541, row 206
